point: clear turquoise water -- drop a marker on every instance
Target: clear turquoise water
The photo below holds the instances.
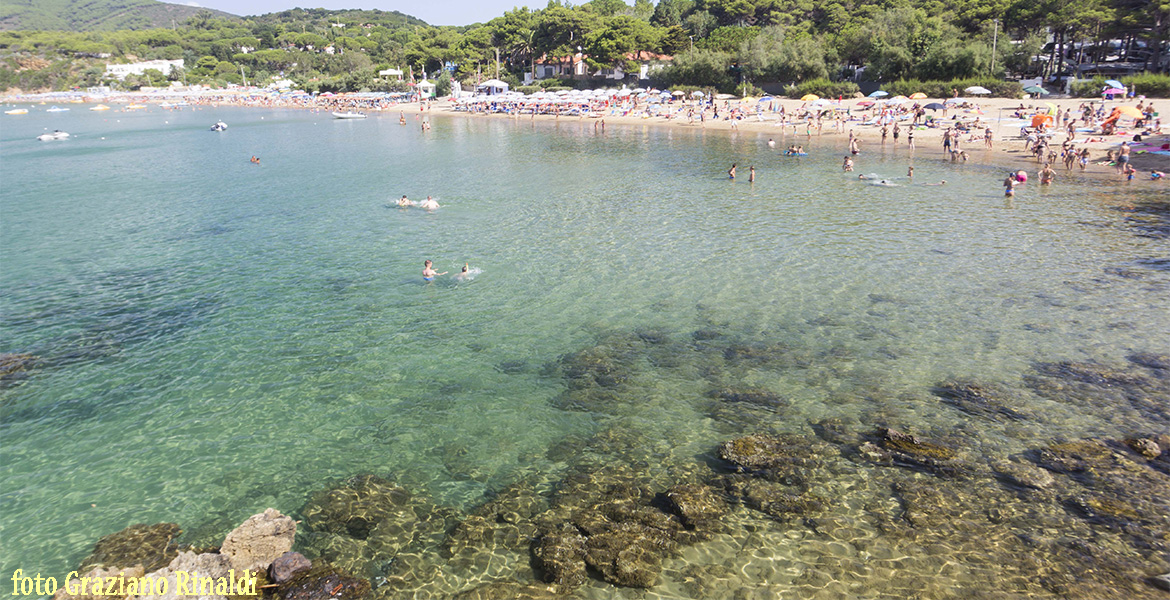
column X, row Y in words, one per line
column 219, row 337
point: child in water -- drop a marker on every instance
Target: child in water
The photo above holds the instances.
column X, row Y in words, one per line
column 429, row 273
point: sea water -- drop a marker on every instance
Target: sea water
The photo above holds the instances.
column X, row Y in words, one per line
column 215, row 337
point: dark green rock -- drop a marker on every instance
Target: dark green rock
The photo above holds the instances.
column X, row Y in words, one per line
column 323, row 582
column 152, row 546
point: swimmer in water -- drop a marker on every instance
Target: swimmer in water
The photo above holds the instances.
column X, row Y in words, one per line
column 405, row 202
column 847, row 166
column 771, row 143
column 752, row 175
column 429, row 273
column 464, row 274
column 731, row 172
column 255, row 160
column 910, row 172
column 1009, row 185
column 429, row 204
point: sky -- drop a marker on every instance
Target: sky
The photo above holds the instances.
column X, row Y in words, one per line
column 435, row 12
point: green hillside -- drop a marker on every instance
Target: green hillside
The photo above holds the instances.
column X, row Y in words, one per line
column 93, row 15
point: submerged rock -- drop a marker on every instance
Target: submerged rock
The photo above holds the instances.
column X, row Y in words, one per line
column 324, row 582
column 287, row 565
column 1149, row 360
column 697, row 505
column 1077, row 456
column 1146, row 447
column 357, row 507
column 629, row 556
column 259, row 540
column 14, row 365
column 151, row 546
column 1024, row 475
column 560, row 556
column 907, row 450
column 755, row 396
column 977, row 400
column 772, row 456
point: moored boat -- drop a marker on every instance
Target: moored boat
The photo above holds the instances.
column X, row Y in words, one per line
column 56, row 135
column 17, row 111
column 100, row 107
column 349, row 115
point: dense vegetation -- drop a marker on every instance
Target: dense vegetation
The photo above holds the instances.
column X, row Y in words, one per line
column 93, row 15
column 722, row 44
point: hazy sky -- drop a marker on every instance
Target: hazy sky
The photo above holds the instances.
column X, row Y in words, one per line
column 435, row 12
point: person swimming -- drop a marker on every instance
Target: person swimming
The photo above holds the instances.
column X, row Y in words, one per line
column 405, row 202
column 429, row 204
column 464, row 274
column 429, row 273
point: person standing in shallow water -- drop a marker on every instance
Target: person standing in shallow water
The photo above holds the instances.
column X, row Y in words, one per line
column 731, row 172
column 752, row 175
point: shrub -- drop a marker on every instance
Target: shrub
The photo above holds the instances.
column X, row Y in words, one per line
column 823, row 88
column 942, row 89
column 1148, row 84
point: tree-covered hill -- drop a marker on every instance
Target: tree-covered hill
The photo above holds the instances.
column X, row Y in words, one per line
column 728, row 45
column 94, row 15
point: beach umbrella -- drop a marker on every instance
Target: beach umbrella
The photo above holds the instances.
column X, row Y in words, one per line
column 821, row 102
column 954, row 100
column 696, row 94
column 766, row 99
column 1051, row 108
column 809, row 97
column 935, row 106
column 1114, row 91
column 724, row 96
column 638, row 90
column 879, row 94
column 1114, row 83
column 678, row 93
column 1130, row 111
column 977, row 90
column 865, row 103
column 1035, row 89
column 917, row 96
column 897, row 100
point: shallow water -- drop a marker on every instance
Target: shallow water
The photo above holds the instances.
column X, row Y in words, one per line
column 217, row 337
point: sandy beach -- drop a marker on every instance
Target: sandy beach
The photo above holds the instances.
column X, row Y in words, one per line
column 998, row 113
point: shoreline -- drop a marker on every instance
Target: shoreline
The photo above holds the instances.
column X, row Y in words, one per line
column 1008, row 146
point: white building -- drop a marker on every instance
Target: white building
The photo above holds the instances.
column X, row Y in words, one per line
column 121, row 71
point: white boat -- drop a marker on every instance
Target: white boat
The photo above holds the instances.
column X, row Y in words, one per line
column 17, row 111
column 100, row 107
column 349, row 115
column 219, row 126
column 56, row 109
column 56, row 135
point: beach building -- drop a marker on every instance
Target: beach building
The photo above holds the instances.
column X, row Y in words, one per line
column 389, row 73
column 491, row 87
column 426, row 89
column 121, row 71
column 576, row 67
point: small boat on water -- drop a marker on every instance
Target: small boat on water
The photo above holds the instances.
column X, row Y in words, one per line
column 17, row 111
column 349, row 115
column 56, row 109
column 219, row 126
column 100, row 107
column 135, row 106
column 56, row 135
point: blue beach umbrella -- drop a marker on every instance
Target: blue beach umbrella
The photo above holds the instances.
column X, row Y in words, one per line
column 1114, row 83
column 878, row 94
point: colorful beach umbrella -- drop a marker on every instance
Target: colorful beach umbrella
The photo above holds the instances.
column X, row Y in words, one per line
column 809, row 97
column 1130, row 111
column 865, row 103
column 917, row 96
column 878, row 94
column 1114, row 91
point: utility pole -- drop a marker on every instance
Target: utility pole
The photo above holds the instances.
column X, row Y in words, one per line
column 994, row 39
column 692, row 42
column 497, row 62
column 244, row 77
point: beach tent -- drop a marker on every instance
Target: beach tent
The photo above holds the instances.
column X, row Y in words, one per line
column 426, row 89
column 491, row 87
